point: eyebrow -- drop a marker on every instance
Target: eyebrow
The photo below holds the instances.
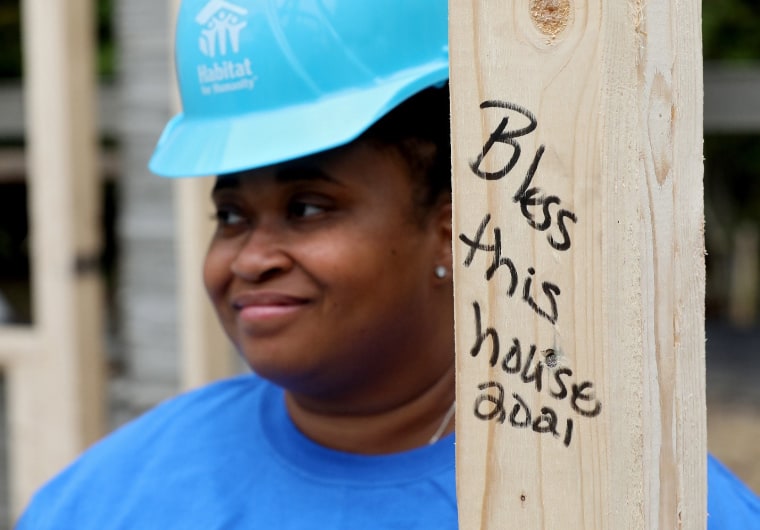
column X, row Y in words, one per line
column 285, row 175
column 289, row 174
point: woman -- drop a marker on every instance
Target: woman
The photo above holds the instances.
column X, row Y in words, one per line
column 330, row 270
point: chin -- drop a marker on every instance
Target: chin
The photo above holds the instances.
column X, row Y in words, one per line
column 283, row 370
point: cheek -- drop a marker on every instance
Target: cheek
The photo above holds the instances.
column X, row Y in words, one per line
column 216, row 271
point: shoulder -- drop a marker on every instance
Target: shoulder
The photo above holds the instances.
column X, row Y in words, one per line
column 189, row 413
column 134, row 463
column 730, row 504
column 224, row 401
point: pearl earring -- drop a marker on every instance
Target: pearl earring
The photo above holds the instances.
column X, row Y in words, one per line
column 440, row 272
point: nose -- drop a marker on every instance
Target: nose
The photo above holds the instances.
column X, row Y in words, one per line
column 263, row 255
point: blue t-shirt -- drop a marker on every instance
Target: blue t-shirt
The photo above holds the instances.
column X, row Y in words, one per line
column 227, row 456
column 730, row 505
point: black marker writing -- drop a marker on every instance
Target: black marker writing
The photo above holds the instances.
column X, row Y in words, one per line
column 480, row 337
column 523, row 361
column 503, row 136
column 528, row 197
column 498, row 260
column 490, row 405
column 550, row 290
column 580, row 393
column 544, row 212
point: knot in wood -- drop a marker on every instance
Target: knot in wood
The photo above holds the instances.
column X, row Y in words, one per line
column 551, row 17
column 551, row 360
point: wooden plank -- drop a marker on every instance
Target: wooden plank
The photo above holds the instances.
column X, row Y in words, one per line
column 55, row 394
column 13, row 110
column 579, row 270
column 13, row 165
column 206, row 351
column 17, row 342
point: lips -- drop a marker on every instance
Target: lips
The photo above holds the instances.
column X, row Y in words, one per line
column 263, row 306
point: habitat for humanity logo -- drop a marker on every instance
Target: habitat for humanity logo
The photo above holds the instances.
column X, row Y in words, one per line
column 222, row 23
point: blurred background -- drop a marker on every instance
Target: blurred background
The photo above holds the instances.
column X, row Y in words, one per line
column 137, row 213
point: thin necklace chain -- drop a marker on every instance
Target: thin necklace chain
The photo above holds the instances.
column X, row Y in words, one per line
column 444, row 423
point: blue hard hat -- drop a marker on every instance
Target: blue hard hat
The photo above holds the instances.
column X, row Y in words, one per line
column 264, row 81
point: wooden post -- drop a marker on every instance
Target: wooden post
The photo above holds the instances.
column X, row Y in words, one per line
column 578, row 221
column 207, row 354
column 55, row 370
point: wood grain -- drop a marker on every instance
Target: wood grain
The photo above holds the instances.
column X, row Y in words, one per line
column 577, row 154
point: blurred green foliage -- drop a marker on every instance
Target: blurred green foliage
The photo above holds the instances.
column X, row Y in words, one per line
column 106, row 40
column 731, row 30
column 10, row 38
column 732, row 177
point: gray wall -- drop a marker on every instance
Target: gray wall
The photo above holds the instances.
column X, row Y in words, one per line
column 146, row 336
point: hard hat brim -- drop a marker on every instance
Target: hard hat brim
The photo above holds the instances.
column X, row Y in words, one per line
column 213, row 146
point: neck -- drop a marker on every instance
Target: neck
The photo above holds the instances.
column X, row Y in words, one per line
column 398, row 426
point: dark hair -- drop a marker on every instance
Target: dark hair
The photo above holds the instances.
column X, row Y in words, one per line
column 419, row 130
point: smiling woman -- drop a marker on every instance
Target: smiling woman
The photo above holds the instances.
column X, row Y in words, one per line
column 329, row 269
column 317, row 307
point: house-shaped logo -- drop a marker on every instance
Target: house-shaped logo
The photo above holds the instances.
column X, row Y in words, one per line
column 221, row 23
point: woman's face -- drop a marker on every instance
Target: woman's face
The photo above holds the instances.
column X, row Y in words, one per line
column 323, row 276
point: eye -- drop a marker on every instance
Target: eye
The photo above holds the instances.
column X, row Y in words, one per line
column 228, row 217
column 305, row 208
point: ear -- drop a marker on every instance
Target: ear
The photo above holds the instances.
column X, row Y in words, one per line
column 442, row 225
